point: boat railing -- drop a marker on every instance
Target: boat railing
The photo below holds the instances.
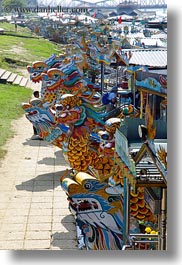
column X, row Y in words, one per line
column 142, row 242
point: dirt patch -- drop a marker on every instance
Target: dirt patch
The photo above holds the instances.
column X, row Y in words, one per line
column 14, row 61
column 17, row 65
column 18, row 49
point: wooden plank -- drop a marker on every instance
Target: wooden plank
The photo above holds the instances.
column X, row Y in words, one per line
column 23, row 81
column 17, row 80
column 2, row 71
column 33, row 86
column 11, row 78
column 28, row 84
column 5, row 76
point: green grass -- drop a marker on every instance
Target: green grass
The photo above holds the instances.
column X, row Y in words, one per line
column 23, row 47
column 11, row 97
column 8, row 27
column 16, row 52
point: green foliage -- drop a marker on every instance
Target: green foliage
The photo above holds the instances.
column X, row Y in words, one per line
column 10, row 4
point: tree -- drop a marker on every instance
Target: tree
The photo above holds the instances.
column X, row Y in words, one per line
column 12, row 4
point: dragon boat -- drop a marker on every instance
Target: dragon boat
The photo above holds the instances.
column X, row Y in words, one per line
column 71, row 116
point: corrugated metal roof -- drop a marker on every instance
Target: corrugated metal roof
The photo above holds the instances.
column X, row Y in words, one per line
column 151, row 58
column 149, row 42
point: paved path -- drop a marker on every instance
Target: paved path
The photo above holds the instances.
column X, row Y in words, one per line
column 33, row 207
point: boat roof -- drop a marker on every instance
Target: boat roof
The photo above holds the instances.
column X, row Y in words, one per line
column 149, row 57
column 155, row 42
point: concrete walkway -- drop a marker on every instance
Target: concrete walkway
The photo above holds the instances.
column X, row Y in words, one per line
column 34, row 211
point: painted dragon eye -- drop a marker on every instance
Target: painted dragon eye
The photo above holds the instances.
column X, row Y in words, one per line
column 59, row 107
column 33, row 112
column 56, row 76
column 87, row 186
column 105, row 136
